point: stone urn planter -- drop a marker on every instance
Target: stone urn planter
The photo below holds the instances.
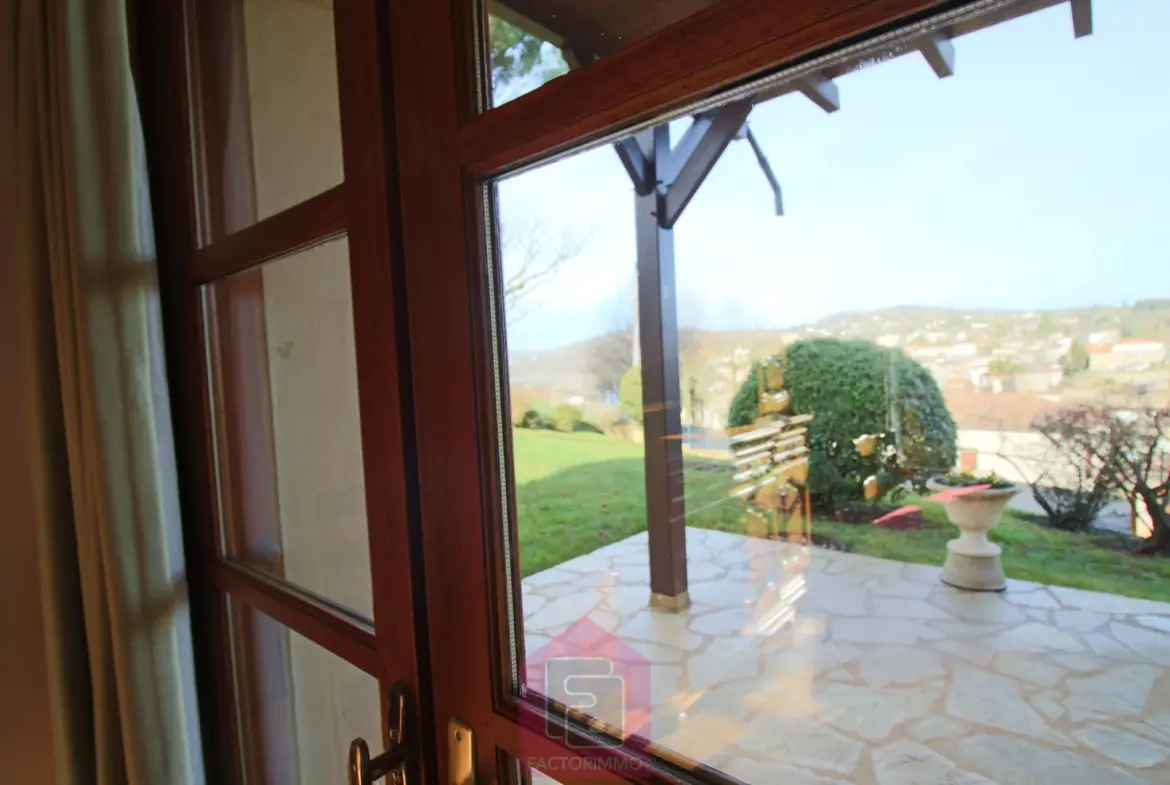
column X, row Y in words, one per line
column 973, row 561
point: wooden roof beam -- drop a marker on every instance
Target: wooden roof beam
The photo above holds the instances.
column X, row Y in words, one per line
column 939, row 52
column 821, row 90
column 1082, row 17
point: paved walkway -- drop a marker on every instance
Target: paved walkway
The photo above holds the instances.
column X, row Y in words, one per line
column 797, row 667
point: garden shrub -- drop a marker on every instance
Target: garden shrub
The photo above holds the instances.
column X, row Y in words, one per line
column 630, row 394
column 1071, row 509
column 534, row 419
column 846, row 386
column 567, row 417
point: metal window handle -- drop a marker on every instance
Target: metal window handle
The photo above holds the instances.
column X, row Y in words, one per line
column 364, row 770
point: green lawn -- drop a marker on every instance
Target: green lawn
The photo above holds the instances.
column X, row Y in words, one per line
column 577, row 492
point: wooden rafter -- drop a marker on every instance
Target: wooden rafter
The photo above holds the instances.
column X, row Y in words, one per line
column 821, row 90
column 939, row 52
column 633, row 158
column 1082, row 17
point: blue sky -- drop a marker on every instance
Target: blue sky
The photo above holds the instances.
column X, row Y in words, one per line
column 1038, row 176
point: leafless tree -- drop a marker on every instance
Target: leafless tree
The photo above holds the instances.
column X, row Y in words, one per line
column 613, row 352
column 1129, row 449
column 1071, row 487
column 532, row 255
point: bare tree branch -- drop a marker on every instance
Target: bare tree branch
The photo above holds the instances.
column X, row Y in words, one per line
column 1126, row 447
column 612, row 353
column 533, row 255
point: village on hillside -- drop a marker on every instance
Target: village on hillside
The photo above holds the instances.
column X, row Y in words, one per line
column 1083, row 355
column 998, row 369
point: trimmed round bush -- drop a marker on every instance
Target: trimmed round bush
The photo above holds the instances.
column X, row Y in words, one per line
column 847, row 386
column 567, row 417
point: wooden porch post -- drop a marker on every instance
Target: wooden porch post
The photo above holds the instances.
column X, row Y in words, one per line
column 658, row 336
column 665, row 179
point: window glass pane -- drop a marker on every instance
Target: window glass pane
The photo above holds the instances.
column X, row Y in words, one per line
column 289, row 435
column 758, row 435
column 299, row 706
column 533, row 41
column 270, row 106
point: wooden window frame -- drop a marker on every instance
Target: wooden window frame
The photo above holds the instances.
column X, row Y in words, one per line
column 447, row 154
column 418, row 220
column 186, row 111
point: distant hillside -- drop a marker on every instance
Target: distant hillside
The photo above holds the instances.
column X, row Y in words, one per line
column 566, row 370
column 582, row 368
column 1144, row 319
column 578, row 368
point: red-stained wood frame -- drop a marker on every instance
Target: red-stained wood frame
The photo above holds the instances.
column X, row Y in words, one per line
column 448, row 156
column 417, row 209
column 195, row 110
column 238, row 361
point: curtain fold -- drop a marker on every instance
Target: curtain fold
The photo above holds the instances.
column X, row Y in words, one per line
column 133, row 701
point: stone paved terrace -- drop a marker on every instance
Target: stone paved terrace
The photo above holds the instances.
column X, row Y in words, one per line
column 802, row 666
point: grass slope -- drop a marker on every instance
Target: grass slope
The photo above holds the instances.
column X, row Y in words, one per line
column 577, row 492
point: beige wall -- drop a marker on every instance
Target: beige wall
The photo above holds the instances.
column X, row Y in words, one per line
column 313, row 377
column 296, row 154
column 292, row 86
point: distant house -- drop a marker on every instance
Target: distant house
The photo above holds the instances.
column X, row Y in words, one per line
column 1037, row 379
column 958, row 384
column 1098, row 347
column 1105, row 336
column 1129, row 355
column 1140, row 351
column 1054, row 354
column 954, row 351
column 995, row 433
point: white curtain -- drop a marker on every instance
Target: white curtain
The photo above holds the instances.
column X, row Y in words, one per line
column 119, row 639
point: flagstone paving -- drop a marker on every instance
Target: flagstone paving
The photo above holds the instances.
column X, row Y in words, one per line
column 810, row 666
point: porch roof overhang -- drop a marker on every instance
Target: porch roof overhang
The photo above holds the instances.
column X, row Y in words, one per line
column 591, row 29
column 586, row 30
